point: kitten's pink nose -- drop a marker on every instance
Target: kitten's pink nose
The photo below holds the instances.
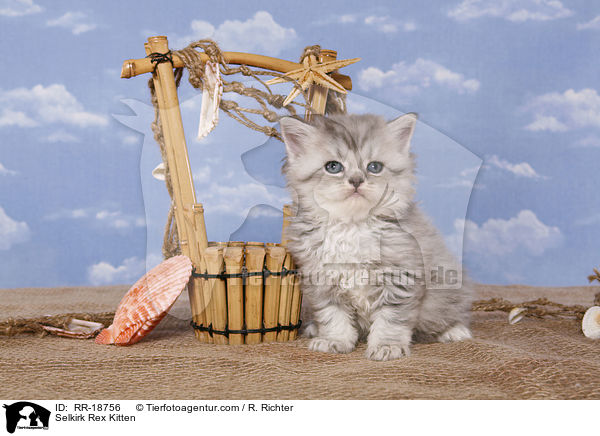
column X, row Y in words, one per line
column 356, row 181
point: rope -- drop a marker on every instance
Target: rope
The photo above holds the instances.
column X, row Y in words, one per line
column 336, row 102
column 191, row 57
column 211, row 331
column 15, row 326
column 540, row 308
column 265, row 273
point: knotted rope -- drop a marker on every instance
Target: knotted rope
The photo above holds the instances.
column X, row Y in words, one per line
column 539, row 308
column 15, row 326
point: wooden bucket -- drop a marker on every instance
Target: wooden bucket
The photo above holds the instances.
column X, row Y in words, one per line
column 247, row 293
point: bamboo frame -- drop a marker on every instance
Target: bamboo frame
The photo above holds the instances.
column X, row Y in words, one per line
column 262, row 301
column 135, row 67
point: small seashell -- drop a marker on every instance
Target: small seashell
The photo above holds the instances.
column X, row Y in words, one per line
column 212, row 90
column 590, row 324
column 516, row 315
column 77, row 328
column 159, row 172
column 147, row 302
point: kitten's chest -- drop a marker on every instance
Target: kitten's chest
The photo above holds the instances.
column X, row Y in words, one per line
column 345, row 243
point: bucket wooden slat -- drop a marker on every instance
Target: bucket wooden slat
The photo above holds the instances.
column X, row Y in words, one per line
column 234, row 260
column 214, row 265
column 274, row 263
column 296, row 303
column 198, row 306
column 255, row 257
column 208, row 300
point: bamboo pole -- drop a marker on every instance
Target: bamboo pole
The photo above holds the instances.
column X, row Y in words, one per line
column 274, row 262
column 255, row 257
column 234, row 259
column 183, row 192
column 183, row 228
column 214, row 265
column 287, row 214
column 135, row 67
column 317, row 94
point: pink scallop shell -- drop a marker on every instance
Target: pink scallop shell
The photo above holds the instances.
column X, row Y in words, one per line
column 147, row 302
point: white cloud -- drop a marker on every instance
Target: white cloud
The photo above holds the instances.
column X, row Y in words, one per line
column 259, row 34
column 546, row 123
column 130, row 139
column 6, row 172
column 17, row 8
column 15, row 118
column 456, row 183
column 233, row 200
column 386, row 24
column 591, row 141
column 556, row 112
column 593, row 24
column 380, row 23
column 409, row 79
column 12, row 232
column 522, row 169
column 588, row 221
column 202, row 174
column 76, row 22
column 347, row 18
column 24, row 107
column 524, row 233
column 104, row 273
column 409, row 26
column 465, row 179
column 61, row 136
column 511, row 10
column 108, row 218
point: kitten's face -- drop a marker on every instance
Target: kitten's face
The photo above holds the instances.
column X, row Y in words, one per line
column 350, row 166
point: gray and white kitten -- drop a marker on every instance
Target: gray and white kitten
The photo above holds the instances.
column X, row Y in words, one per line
column 373, row 266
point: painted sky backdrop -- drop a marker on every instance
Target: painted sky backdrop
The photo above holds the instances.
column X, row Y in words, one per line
column 513, row 82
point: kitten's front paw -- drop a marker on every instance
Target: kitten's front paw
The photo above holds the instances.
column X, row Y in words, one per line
column 309, row 330
column 457, row 333
column 387, row 352
column 330, row 346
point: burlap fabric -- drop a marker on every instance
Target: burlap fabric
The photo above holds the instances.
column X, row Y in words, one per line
column 532, row 359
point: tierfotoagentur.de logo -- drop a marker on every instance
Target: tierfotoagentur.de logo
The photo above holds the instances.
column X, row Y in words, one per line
column 26, row 415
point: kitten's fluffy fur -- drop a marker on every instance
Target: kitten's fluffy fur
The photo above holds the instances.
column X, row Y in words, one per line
column 359, row 220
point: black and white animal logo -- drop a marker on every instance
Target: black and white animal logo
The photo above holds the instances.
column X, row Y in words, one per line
column 24, row 414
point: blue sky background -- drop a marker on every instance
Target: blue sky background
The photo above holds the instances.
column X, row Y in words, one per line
column 515, row 83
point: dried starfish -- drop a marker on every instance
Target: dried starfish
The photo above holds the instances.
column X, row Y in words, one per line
column 313, row 73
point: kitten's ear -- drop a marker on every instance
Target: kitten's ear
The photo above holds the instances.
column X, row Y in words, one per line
column 296, row 134
column 402, row 128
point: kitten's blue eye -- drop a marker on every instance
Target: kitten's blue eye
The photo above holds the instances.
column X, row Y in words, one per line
column 333, row 167
column 374, row 167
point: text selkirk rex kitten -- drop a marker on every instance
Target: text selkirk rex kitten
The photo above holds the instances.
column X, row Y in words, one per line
column 373, row 266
